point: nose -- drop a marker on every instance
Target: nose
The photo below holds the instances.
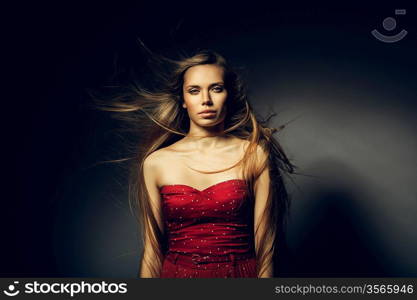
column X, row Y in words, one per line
column 207, row 99
column 207, row 102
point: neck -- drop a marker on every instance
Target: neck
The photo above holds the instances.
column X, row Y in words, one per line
column 198, row 131
column 207, row 142
column 206, row 138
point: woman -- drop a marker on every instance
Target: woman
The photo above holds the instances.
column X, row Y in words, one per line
column 207, row 175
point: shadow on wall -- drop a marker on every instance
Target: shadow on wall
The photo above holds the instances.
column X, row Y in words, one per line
column 329, row 232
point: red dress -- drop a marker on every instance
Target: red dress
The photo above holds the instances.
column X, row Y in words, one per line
column 209, row 232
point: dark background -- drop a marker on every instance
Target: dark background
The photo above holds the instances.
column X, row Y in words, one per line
column 353, row 99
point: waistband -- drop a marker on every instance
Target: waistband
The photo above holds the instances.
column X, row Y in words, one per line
column 193, row 259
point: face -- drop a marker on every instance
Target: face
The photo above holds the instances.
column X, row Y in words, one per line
column 204, row 90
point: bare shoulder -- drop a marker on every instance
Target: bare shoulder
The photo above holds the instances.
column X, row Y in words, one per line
column 154, row 166
column 260, row 151
column 156, row 158
column 239, row 142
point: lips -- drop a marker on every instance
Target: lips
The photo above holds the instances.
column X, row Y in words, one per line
column 208, row 114
column 207, row 111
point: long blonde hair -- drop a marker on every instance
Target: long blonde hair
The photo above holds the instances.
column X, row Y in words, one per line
column 158, row 113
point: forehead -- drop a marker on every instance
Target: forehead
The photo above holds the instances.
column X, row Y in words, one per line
column 203, row 75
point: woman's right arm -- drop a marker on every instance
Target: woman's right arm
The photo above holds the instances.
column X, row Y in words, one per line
column 150, row 254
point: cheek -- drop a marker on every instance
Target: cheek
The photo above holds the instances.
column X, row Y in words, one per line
column 224, row 103
column 191, row 109
column 187, row 102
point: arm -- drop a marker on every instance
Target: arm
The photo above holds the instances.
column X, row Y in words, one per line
column 150, row 255
column 261, row 190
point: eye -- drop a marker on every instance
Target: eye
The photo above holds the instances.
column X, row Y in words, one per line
column 193, row 91
column 218, row 88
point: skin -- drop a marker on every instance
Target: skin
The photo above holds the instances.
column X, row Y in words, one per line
column 203, row 89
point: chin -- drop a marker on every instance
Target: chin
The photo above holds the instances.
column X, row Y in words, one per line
column 210, row 123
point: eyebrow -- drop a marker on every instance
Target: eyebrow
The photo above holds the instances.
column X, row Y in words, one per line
column 216, row 83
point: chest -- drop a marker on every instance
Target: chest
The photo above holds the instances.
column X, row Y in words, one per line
column 224, row 200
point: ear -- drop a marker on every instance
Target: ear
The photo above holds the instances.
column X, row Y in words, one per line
column 184, row 105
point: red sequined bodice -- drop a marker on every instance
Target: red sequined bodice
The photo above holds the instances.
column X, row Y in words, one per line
column 213, row 221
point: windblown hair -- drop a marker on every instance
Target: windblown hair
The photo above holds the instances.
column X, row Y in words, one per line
column 159, row 114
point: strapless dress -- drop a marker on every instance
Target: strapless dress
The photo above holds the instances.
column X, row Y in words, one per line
column 209, row 232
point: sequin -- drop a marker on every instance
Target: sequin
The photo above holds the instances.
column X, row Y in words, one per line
column 189, row 233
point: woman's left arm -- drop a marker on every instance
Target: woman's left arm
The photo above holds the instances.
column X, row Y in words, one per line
column 261, row 190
